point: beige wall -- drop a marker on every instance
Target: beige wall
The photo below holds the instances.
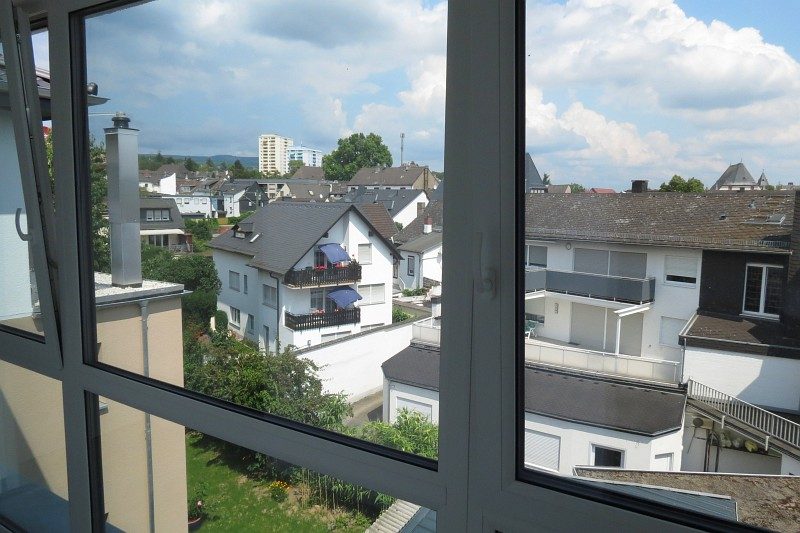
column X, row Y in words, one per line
column 32, row 432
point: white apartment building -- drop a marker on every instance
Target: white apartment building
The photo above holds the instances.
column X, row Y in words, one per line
column 196, row 205
column 301, row 274
column 273, row 153
column 310, row 157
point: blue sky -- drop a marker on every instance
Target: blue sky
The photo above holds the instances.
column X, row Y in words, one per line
column 617, row 89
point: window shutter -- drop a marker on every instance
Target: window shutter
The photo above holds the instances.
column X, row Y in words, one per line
column 542, row 450
column 683, row 267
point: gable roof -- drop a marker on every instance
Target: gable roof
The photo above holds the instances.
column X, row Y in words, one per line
column 233, row 187
column 423, row 243
column 602, row 190
column 532, row 178
column 762, row 180
column 395, row 200
column 735, row 175
column 713, row 221
column 434, row 209
column 287, row 231
column 559, row 189
column 157, row 202
column 380, row 218
column 404, row 175
column 309, row 173
column 582, row 398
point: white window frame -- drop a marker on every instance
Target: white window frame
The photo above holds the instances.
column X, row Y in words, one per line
column 763, row 298
column 476, row 485
column 594, row 447
column 250, row 327
column 368, row 293
column 676, row 283
column 365, row 258
column 234, row 281
column 236, row 317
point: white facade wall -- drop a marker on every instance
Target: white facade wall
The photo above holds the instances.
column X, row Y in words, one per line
column 394, row 392
column 672, row 300
column 730, row 460
column 407, row 215
column 248, row 303
column 758, row 379
column 272, row 153
column 189, row 204
column 413, row 281
column 790, row 466
column 432, row 264
column 577, row 440
column 353, row 365
column 15, row 283
column 426, row 265
column 168, row 185
column 309, row 156
column 231, row 203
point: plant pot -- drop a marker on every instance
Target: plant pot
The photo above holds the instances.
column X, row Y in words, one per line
column 195, row 523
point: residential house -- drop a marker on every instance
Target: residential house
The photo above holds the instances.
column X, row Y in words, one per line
column 559, row 189
column 430, row 221
column 606, row 422
column 533, row 181
column 301, row 273
column 602, row 190
column 408, row 176
column 162, row 224
column 404, row 205
column 736, row 178
column 309, row 156
column 308, row 172
column 197, row 204
column 763, row 182
column 232, row 194
column 421, row 263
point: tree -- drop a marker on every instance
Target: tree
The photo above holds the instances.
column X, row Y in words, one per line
column 678, row 184
column 202, row 230
column 577, row 187
column 194, row 272
column 209, row 164
column 98, row 194
column 546, row 179
column 294, row 164
column 190, row 165
column 159, row 158
column 354, row 153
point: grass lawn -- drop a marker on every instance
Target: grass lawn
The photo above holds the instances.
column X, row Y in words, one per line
column 238, row 503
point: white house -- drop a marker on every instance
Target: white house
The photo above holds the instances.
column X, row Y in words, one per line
column 299, row 273
column 408, row 176
column 421, row 263
column 196, row 205
column 404, row 205
column 234, row 192
column 605, row 422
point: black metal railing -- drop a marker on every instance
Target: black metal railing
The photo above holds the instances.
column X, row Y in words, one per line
column 338, row 317
column 332, row 275
column 615, row 288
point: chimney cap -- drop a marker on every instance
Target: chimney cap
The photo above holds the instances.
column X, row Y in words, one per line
column 121, row 120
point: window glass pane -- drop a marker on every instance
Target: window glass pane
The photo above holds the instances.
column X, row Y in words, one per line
column 159, row 476
column 33, row 469
column 20, row 306
column 323, row 238
column 658, row 340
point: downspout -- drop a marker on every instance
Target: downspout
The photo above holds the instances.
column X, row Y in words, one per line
column 278, row 312
column 148, row 431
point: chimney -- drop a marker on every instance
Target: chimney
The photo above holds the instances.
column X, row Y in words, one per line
column 122, row 155
column 791, row 307
column 427, row 227
column 639, row 186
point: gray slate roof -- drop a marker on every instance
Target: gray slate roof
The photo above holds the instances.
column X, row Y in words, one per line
column 735, row 175
column 288, row 230
column 404, row 175
column 712, row 221
column 584, row 399
column 434, row 209
column 423, row 243
column 309, row 173
column 236, row 186
column 532, row 178
column 154, row 202
column 394, row 200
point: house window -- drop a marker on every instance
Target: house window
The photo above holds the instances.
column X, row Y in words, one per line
column 251, row 324
column 233, row 280
column 365, row 253
column 536, row 256
column 395, row 269
column 680, row 270
column 236, row 317
column 411, row 265
column 269, row 296
column 320, row 259
column 670, row 330
column 320, row 303
column 602, row 456
column 763, row 290
column 542, row 450
column 165, row 215
column 244, row 284
column 267, row 340
column 372, row 294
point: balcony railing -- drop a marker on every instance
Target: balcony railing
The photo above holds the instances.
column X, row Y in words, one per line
column 180, row 248
column 769, row 423
column 615, row 288
column 427, row 331
column 338, row 317
column 632, row 366
column 311, row 277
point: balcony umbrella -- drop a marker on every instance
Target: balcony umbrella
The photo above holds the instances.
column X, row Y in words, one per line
column 334, row 252
column 343, row 296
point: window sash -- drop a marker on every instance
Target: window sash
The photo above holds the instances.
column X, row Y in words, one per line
column 365, row 254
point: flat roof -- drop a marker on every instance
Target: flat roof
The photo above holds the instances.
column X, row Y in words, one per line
column 105, row 293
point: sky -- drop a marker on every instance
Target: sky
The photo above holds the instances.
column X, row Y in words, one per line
column 616, row 89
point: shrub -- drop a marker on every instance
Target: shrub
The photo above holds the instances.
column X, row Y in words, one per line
column 196, row 504
column 221, row 320
column 278, row 490
column 422, row 291
column 199, row 307
column 398, row 315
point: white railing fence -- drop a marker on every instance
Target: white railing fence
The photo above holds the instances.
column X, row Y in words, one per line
column 765, row 421
column 427, row 330
column 604, row 363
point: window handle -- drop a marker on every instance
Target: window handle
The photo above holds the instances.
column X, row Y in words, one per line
column 17, row 217
column 485, row 275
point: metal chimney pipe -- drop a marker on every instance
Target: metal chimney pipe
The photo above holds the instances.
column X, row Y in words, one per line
column 122, row 156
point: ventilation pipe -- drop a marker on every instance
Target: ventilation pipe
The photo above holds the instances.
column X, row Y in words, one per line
column 122, row 155
column 427, row 227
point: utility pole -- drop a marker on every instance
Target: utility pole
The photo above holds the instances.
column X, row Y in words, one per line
column 402, row 143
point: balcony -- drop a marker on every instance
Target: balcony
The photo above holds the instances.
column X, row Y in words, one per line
column 427, row 331
column 338, row 317
column 331, row 276
column 555, row 353
column 603, row 287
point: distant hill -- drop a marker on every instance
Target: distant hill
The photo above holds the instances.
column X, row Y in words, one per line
column 247, row 161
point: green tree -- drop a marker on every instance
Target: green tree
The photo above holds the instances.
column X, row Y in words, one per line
column 354, row 153
column 577, row 187
column 546, row 179
column 209, row 165
column 294, row 164
column 194, row 272
column 159, row 158
column 678, row 184
column 190, row 165
column 98, row 193
column 202, row 230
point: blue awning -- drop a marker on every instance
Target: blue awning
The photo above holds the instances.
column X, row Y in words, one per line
column 343, row 296
column 334, row 252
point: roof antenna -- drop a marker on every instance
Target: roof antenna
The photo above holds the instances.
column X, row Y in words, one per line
column 402, row 143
